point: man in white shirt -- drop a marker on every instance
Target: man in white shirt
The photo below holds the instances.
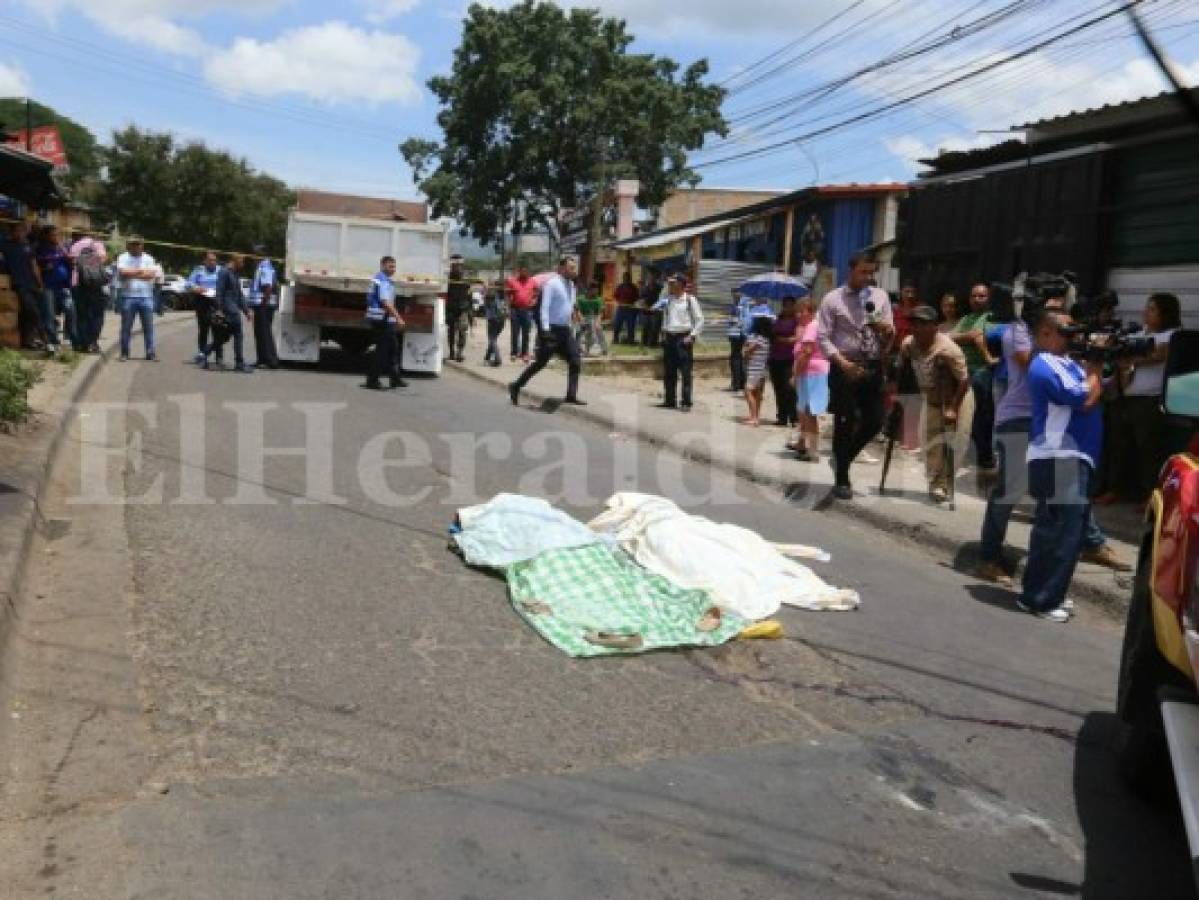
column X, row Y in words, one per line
column 558, row 313
column 682, row 324
column 136, row 273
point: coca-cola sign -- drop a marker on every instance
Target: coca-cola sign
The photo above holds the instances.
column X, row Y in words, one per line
column 46, row 142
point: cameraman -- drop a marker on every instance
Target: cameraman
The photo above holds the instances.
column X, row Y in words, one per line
column 1135, row 447
column 1065, row 441
column 1013, row 420
column 855, row 329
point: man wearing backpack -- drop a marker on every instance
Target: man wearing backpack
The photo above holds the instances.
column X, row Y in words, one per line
column 682, row 324
column 89, row 256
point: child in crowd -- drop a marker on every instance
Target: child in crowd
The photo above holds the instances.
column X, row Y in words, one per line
column 811, row 384
column 495, row 310
column 757, row 349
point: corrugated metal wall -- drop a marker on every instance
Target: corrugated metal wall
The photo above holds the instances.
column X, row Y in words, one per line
column 1135, row 285
column 851, row 228
column 1155, row 205
column 1046, row 217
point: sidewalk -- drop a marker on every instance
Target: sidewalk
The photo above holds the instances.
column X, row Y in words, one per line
column 27, row 455
column 710, row 434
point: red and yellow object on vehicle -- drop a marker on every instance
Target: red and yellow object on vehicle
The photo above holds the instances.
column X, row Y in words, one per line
column 1157, row 700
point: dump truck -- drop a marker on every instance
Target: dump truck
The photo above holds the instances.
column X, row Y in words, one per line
column 327, row 274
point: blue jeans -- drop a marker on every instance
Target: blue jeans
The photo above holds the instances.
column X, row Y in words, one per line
column 626, row 319
column 132, row 308
column 55, row 301
column 522, row 324
column 1062, row 488
column 1011, row 484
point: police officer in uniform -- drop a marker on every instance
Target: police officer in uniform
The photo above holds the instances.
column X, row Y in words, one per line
column 202, row 284
column 265, row 301
column 457, row 310
column 385, row 320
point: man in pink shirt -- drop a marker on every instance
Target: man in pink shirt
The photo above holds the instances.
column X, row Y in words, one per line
column 88, row 278
column 522, row 297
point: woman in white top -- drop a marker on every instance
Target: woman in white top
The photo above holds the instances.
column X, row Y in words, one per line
column 1135, row 431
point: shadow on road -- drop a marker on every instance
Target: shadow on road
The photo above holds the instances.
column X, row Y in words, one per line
column 1133, row 848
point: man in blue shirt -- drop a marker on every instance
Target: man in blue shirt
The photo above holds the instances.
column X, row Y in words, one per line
column 264, row 300
column 202, row 284
column 1065, row 440
column 385, row 322
column 229, row 305
column 557, row 338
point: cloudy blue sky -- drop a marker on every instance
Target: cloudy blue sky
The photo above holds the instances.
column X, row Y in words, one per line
column 321, row 93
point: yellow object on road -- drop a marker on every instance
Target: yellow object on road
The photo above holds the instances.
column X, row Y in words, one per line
column 771, row 629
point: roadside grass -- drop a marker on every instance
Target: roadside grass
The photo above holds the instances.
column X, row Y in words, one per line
column 17, row 378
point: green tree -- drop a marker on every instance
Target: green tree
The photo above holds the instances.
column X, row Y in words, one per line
column 189, row 194
column 83, row 153
column 544, row 107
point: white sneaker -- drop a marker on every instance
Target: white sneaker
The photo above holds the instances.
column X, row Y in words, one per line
column 1068, row 605
column 1058, row 615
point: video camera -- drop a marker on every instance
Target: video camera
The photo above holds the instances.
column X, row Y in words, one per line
column 1025, row 298
column 1096, row 334
column 1108, row 343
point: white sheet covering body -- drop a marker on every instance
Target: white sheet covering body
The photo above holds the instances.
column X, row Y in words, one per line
column 745, row 574
column 510, row 528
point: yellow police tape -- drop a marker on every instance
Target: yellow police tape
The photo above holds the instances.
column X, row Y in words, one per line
column 108, row 237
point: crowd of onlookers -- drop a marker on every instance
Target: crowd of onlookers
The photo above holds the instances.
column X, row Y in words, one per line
column 59, row 284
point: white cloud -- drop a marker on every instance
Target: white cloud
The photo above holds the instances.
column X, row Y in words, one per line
column 1056, row 89
column 150, row 23
column 911, row 149
column 379, row 11
column 714, row 18
column 14, row 81
column 333, row 62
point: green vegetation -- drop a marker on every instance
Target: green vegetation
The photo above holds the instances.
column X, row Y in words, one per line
column 544, row 107
column 17, row 377
column 189, row 194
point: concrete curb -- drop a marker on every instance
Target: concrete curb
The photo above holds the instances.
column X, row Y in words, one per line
column 17, row 529
column 1112, row 600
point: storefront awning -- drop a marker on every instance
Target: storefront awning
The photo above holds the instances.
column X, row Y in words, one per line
column 28, row 178
column 670, row 235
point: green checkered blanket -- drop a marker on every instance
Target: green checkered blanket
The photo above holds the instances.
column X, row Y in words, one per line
column 596, row 601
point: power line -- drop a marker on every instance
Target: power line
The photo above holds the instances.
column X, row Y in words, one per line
column 882, row 110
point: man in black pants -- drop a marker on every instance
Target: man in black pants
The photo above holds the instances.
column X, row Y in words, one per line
column 385, row 321
column 855, row 330
column 556, row 337
column 265, row 302
column 683, row 323
column 202, row 285
column 231, row 302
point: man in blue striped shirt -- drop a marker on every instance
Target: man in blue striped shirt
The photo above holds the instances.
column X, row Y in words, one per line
column 557, row 315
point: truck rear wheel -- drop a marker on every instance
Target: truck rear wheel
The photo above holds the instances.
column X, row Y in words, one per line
column 1141, row 750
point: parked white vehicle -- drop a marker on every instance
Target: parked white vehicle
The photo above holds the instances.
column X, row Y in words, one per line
column 329, row 266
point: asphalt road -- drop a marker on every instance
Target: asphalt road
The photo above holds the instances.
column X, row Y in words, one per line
column 320, row 701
